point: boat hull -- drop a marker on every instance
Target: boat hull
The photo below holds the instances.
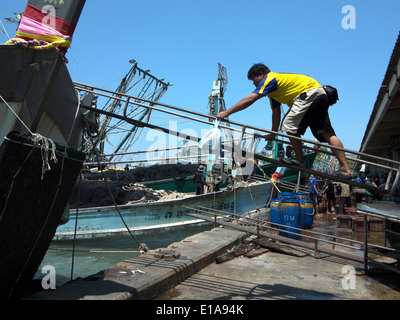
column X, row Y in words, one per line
column 31, row 207
column 186, row 185
column 36, row 84
column 181, row 185
column 105, row 221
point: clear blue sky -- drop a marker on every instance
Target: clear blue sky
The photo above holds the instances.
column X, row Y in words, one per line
column 183, row 40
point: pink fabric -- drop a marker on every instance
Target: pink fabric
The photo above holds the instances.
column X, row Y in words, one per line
column 34, row 27
column 63, row 26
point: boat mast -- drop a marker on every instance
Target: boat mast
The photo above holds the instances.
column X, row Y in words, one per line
column 216, row 104
column 117, row 134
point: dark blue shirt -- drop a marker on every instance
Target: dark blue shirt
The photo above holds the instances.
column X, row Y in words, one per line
column 313, row 183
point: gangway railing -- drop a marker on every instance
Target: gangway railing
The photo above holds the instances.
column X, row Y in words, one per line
column 268, row 229
column 392, row 166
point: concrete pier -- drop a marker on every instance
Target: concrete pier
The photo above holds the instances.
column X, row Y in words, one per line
column 146, row 276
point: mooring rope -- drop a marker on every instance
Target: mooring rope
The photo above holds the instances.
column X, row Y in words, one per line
column 16, row 115
column 142, row 246
column 75, row 229
column 46, row 145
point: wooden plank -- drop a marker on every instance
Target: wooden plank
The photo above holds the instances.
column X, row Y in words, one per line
column 240, row 250
column 281, row 248
column 256, row 252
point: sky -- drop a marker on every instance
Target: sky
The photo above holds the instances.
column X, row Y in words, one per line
column 183, row 41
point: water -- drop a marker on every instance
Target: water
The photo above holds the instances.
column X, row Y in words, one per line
column 327, row 224
column 94, row 255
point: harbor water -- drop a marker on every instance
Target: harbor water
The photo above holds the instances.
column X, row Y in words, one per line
column 94, row 255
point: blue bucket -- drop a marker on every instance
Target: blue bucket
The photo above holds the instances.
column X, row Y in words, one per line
column 274, row 211
column 290, row 215
column 307, row 214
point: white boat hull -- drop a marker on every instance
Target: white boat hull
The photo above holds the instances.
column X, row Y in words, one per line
column 145, row 217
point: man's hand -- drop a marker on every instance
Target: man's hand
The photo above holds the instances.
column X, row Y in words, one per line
column 222, row 115
column 241, row 105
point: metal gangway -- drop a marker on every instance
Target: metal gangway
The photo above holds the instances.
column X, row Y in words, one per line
column 388, row 165
column 316, row 242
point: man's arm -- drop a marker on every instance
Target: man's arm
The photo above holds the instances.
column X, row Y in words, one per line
column 276, row 121
column 241, row 105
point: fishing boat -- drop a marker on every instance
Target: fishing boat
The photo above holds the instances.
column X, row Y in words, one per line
column 184, row 184
column 151, row 216
column 40, row 130
column 165, row 214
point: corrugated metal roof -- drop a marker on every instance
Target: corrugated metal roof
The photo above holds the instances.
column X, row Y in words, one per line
column 384, row 127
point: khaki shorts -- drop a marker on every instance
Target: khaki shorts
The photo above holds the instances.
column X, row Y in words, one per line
column 309, row 109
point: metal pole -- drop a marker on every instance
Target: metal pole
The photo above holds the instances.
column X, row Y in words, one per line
column 82, row 86
column 395, row 182
column 384, row 232
column 365, row 243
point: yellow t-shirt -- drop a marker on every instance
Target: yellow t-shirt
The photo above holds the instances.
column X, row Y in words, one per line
column 285, row 87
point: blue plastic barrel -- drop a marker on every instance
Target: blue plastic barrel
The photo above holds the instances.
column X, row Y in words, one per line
column 290, row 215
column 287, row 195
column 274, row 211
column 307, row 214
column 303, row 195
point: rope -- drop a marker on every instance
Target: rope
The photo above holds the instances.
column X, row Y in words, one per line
column 4, row 30
column 75, row 230
column 11, row 109
column 76, row 116
column 273, row 183
column 251, row 195
column 41, row 45
column 142, row 246
column 47, row 147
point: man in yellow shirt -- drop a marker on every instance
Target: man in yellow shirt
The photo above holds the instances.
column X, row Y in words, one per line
column 308, row 104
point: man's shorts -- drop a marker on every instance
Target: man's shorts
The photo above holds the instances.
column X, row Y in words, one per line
column 314, row 198
column 309, row 109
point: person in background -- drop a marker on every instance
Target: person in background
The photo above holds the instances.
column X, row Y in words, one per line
column 360, row 178
column 345, row 196
column 369, row 195
column 199, row 180
column 314, row 192
column 329, row 191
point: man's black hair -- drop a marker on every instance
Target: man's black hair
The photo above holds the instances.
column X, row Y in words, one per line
column 257, row 70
